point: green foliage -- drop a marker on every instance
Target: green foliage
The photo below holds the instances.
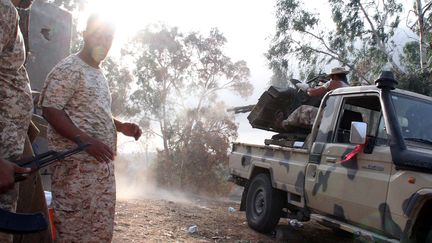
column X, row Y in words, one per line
column 359, row 31
column 161, row 71
column 280, row 77
column 411, row 57
column 359, row 36
column 419, row 82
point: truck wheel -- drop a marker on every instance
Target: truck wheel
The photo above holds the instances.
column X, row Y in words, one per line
column 263, row 204
column 429, row 235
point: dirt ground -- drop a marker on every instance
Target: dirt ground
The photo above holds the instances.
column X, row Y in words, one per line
column 167, row 219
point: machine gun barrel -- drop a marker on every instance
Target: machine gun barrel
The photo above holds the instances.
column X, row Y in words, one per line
column 241, row 109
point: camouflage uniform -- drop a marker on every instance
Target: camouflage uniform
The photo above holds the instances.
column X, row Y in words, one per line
column 83, row 188
column 304, row 116
column 15, row 96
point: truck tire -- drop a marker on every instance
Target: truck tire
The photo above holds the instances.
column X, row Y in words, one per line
column 263, row 204
column 429, row 235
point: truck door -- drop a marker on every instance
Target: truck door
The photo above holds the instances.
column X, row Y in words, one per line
column 352, row 190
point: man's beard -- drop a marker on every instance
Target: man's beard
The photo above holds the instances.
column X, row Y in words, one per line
column 99, row 53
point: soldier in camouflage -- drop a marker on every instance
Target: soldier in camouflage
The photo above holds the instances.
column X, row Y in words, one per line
column 76, row 102
column 15, row 95
column 304, row 116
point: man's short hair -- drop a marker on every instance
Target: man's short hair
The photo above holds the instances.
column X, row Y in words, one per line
column 95, row 22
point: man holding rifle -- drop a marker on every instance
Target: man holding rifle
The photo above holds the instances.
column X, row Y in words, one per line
column 15, row 101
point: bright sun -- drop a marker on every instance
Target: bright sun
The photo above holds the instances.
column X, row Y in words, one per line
column 129, row 16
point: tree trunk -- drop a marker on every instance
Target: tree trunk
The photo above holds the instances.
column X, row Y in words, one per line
column 380, row 43
column 421, row 34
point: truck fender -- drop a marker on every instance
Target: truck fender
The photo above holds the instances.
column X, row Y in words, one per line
column 258, row 168
column 413, row 206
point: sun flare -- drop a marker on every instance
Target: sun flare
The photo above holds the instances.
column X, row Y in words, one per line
column 129, row 16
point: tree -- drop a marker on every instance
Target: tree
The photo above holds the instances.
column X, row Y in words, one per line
column 423, row 28
column 359, row 31
column 199, row 164
column 417, row 54
column 281, row 74
column 120, row 80
column 416, row 78
column 205, row 156
column 179, row 78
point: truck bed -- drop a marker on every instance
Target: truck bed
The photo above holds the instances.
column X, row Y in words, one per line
column 286, row 165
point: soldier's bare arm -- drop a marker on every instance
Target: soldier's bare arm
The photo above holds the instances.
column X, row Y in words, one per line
column 60, row 121
column 128, row 129
column 7, row 171
column 317, row 91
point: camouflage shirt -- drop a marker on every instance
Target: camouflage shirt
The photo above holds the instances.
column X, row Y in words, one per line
column 83, row 93
column 15, row 95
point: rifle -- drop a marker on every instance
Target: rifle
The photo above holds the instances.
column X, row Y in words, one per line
column 29, row 223
column 45, row 159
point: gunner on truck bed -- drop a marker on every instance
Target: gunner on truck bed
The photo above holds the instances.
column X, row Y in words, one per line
column 304, row 115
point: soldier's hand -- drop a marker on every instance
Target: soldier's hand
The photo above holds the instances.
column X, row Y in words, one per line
column 100, row 151
column 7, row 172
column 131, row 130
column 302, row 86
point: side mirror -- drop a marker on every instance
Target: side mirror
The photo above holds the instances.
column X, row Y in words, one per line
column 358, row 132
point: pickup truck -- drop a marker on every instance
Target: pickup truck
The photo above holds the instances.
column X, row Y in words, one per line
column 365, row 167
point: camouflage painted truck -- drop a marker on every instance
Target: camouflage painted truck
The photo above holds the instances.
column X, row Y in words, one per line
column 365, row 167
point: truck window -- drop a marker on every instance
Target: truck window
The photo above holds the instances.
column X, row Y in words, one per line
column 326, row 125
column 414, row 119
column 381, row 138
column 364, row 109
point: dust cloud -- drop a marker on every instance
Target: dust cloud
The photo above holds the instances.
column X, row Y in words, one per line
column 135, row 180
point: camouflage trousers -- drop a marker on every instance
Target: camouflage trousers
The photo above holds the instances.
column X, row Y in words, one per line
column 12, row 136
column 303, row 116
column 83, row 200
